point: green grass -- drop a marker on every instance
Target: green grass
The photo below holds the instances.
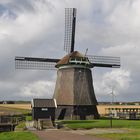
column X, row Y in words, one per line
column 132, row 134
column 88, row 124
column 18, row 136
column 132, row 128
column 28, row 118
column 21, row 126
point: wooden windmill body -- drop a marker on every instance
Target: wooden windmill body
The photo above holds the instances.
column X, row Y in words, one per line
column 74, row 92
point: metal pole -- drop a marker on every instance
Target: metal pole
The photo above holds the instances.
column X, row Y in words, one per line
column 111, row 121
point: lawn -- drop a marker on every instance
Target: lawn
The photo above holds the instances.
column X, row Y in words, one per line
column 101, row 123
column 132, row 134
column 18, row 136
column 131, row 127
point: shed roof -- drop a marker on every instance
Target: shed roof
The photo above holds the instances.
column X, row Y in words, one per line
column 44, row 103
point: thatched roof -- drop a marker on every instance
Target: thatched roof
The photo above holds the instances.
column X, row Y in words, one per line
column 66, row 58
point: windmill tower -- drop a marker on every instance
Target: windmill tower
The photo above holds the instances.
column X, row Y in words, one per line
column 74, row 92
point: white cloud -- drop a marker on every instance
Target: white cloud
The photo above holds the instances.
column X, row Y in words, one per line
column 38, row 89
column 119, row 80
column 129, row 54
column 125, row 16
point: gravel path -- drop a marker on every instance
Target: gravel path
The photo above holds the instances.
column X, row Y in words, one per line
column 64, row 135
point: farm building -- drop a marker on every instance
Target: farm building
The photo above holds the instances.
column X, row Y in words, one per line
column 43, row 109
column 120, row 111
column 125, row 113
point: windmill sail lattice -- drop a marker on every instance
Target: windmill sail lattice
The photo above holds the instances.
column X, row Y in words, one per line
column 70, row 21
column 104, row 61
column 35, row 63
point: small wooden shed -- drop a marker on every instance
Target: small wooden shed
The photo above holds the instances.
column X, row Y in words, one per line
column 43, row 109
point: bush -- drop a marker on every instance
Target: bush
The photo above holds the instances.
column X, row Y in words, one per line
column 21, row 126
column 28, row 118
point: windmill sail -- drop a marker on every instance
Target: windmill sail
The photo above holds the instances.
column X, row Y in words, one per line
column 104, row 61
column 70, row 21
column 35, row 63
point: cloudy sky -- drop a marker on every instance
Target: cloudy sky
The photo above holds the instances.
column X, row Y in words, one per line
column 36, row 28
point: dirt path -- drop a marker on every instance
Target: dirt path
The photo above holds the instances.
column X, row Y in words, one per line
column 64, row 135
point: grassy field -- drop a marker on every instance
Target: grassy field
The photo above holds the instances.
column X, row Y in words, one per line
column 132, row 127
column 101, row 108
column 18, row 136
column 122, row 129
column 102, row 123
column 13, row 110
column 18, row 106
column 132, row 134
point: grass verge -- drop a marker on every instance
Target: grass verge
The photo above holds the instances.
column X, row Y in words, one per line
column 21, row 126
column 132, row 134
column 18, row 136
column 132, row 128
column 88, row 124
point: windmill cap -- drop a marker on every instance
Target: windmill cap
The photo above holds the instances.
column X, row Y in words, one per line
column 66, row 59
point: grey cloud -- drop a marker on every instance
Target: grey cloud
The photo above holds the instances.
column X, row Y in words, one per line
column 36, row 28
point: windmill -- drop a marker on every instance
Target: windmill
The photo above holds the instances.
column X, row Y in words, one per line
column 113, row 96
column 74, row 92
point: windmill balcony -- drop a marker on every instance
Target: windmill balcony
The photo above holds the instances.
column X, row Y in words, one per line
column 79, row 60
